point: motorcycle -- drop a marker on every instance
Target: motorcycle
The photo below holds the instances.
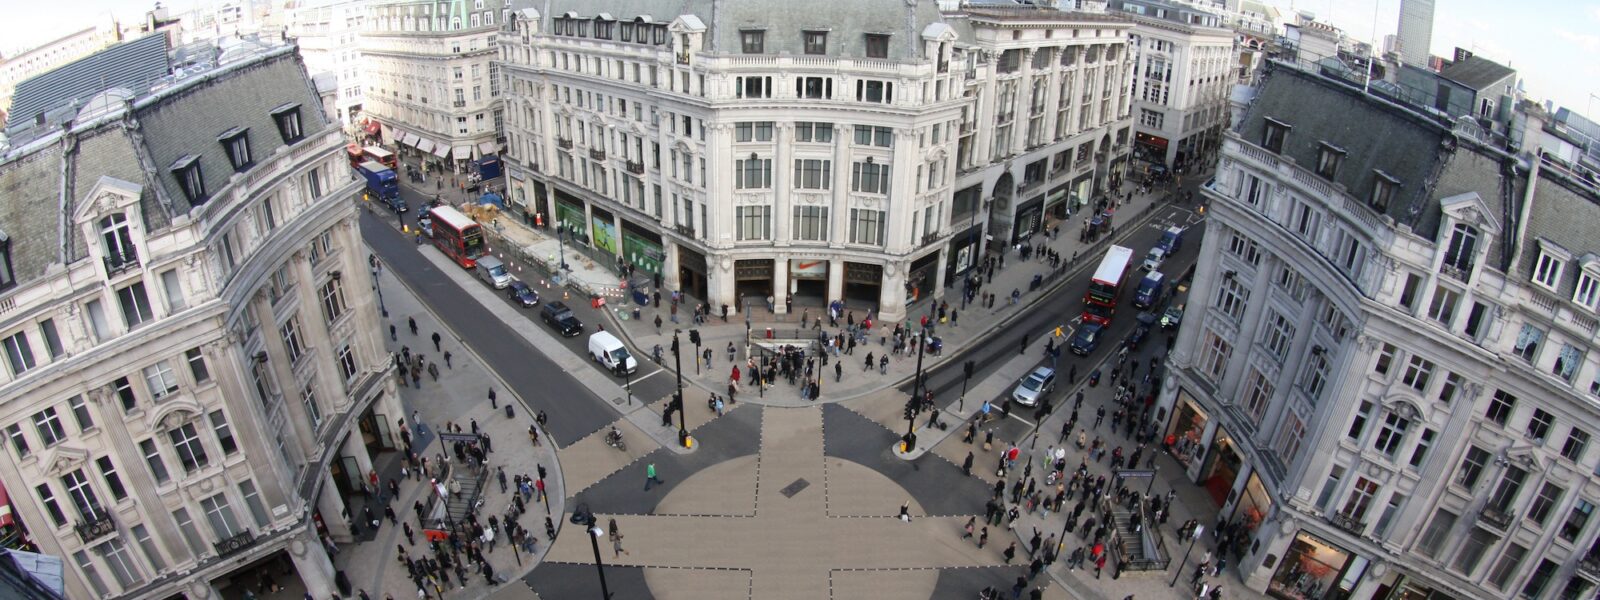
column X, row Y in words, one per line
column 614, row 439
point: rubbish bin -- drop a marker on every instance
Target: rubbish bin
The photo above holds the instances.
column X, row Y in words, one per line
column 510, row 412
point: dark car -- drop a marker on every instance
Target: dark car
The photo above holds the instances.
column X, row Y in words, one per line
column 520, row 292
column 1141, row 331
column 1173, row 317
column 559, row 317
column 1086, row 339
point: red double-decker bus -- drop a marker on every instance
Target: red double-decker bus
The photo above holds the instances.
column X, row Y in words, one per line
column 456, row 235
column 1100, row 303
column 358, row 155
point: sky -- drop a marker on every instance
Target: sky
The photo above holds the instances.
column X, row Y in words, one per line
column 1553, row 44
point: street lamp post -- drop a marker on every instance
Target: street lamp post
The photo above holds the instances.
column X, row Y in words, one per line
column 677, row 365
column 1195, row 535
column 594, row 542
column 915, row 402
column 561, row 243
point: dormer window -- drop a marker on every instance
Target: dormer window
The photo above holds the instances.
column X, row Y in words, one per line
column 1383, row 189
column 1586, row 294
column 288, row 119
column 236, row 142
column 753, row 41
column 1275, row 134
column 877, row 45
column 1329, row 157
column 190, row 179
column 627, row 32
column 816, row 42
column 1460, row 253
column 1547, row 269
column 602, row 27
column 117, row 238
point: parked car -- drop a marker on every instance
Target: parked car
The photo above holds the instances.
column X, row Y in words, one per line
column 1035, row 387
column 1086, row 339
column 520, row 293
column 559, row 317
column 493, row 272
column 1173, row 317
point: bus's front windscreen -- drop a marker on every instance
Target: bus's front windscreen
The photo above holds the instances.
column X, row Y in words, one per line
column 472, row 242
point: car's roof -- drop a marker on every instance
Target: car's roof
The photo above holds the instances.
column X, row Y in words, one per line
column 1043, row 372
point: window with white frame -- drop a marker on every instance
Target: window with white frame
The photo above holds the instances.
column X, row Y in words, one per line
column 866, row 135
column 347, row 363
column 1587, row 293
column 1291, row 435
column 1360, row 499
column 1528, row 341
column 1539, row 425
column 1390, row 433
column 1231, row 298
column 333, row 305
column 1316, row 380
column 1384, row 188
column 197, row 365
column 1547, row 270
column 1461, row 251
column 754, row 222
column 1251, row 189
column 869, row 177
column 752, row 131
column 813, row 174
column 191, row 452
column 1280, row 333
column 810, row 224
column 223, row 522
column 1214, row 356
column 1329, row 157
column 1419, row 453
column 291, row 339
column 160, row 380
column 1500, row 408
column 135, row 304
column 1418, row 372
column 755, row 173
column 308, row 399
column 224, row 432
column 1443, row 306
column 190, row 179
column 868, row 226
column 1453, row 383
column 1567, row 362
column 1577, row 441
column 237, row 143
column 811, row 132
column 48, row 424
column 19, row 353
column 1257, row 396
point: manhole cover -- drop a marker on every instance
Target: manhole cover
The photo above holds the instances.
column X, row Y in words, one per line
column 794, row 488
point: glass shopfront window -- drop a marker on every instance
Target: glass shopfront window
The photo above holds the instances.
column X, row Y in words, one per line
column 1188, row 425
column 1312, row 569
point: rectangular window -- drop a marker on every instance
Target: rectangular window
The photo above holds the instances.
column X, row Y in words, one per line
column 1472, row 466
column 1258, row 395
column 1408, row 293
column 19, row 353
column 160, row 380
column 135, row 305
column 52, row 338
column 754, row 222
column 1360, row 499
column 1391, row 433
column 1539, row 425
column 252, row 499
column 47, row 498
column 308, row 399
column 815, row 88
column 1316, row 380
column 19, row 443
column 869, row 177
column 174, row 290
column 1500, row 407
column 1214, row 355
column 237, row 143
column 1475, row 320
column 752, row 41
column 1545, row 503
column 1443, row 307
column 1290, row 438
column 1587, row 294
column 148, row 546
column 333, row 305
column 816, row 42
column 1433, row 537
column 813, row 174
column 1540, row 580
column 347, row 362
column 190, row 179
column 1505, row 493
column 288, row 119
column 1274, row 134
column 1419, row 454
column 82, row 495
column 1359, row 424
column 1383, row 190
column 96, row 314
column 124, row 389
column 90, row 573
column 821, row 133
column 1567, row 362
column 1577, row 441
column 1280, row 333
column 291, row 340
column 220, row 514
column 1528, row 340
column 1386, row 355
column 191, row 453
column 1418, row 372
column 1330, row 486
column 1582, row 511
column 219, row 425
column 197, row 365
column 1473, row 547
column 1547, row 271
column 314, row 183
column 1328, row 160
column 1390, row 510
column 48, row 424
column 868, row 226
column 874, row 91
column 191, row 534
column 1452, row 385
column 877, row 45
column 750, row 174
column 810, row 223
column 108, row 472
column 1506, row 567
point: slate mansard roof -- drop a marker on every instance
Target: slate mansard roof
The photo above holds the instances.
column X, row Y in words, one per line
column 1431, row 163
column 42, row 183
column 783, row 21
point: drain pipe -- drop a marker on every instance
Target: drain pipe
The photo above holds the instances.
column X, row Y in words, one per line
column 1527, row 207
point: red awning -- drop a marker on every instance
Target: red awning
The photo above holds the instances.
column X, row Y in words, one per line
column 6, row 518
column 372, row 127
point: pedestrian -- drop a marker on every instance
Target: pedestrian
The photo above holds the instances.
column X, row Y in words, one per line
column 905, row 511
column 650, row 476
column 409, row 533
column 392, row 336
column 983, row 536
column 433, row 371
column 838, row 371
column 412, row 322
column 971, row 523
column 436, row 339
column 867, row 366
column 492, row 405
column 966, row 465
column 1010, row 552
column 616, row 545
column 447, row 356
column 500, row 473
column 388, row 512
column 1024, row 348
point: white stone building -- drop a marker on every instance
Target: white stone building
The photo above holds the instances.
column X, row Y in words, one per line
column 853, row 151
column 328, row 32
column 1184, row 63
column 193, row 374
column 429, row 77
column 1385, row 375
column 1415, row 35
column 33, row 61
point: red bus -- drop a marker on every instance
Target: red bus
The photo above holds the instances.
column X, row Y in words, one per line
column 358, row 155
column 1100, row 303
column 456, row 235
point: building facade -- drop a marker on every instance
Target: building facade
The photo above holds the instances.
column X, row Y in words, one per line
column 193, row 373
column 756, row 153
column 430, row 80
column 1183, row 62
column 1383, row 376
column 34, row 61
column 328, row 33
column 1415, row 35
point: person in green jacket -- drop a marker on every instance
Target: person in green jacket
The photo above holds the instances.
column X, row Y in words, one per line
column 650, row 476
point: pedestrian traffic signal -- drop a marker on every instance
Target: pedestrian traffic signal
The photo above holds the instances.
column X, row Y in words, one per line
column 674, row 344
column 694, row 336
column 967, row 368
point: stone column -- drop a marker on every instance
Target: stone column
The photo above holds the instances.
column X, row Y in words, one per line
column 780, row 284
column 312, row 564
column 669, row 265
column 354, row 447
column 1020, row 118
column 333, row 509
column 279, row 376
column 892, row 293
column 938, row 274
column 986, row 110
column 781, row 184
column 835, row 280
column 1052, row 98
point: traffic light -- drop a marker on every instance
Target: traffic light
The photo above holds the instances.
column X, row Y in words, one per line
column 694, row 336
column 967, row 368
column 911, row 408
column 674, row 344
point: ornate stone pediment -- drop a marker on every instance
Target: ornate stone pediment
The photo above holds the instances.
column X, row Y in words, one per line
column 108, row 195
column 1470, row 208
column 174, row 413
column 63, row 458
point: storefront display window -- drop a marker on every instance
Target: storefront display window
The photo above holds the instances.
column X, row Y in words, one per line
column 1188, row 424
column 1309, row 570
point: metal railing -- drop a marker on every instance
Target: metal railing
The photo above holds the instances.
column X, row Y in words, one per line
column 564, row 143
column 1495, row 518
column 117, row 262
column 597, row 154
column 1349, row 523
column 238, row 542
column 95, row 528
column 636, row 167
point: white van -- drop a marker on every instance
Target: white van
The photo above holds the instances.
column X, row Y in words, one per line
column 607, row 350
column 493, row 272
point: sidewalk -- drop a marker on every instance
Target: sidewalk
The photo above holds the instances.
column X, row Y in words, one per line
column 641, row 333
column 459, row 396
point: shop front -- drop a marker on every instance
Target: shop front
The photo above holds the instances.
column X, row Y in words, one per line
column 570, row 219
column 1055, row 204
column 924, row 277
column 752, row 280
column 863, row 282
column 964, row 250
column 1315, row 569
column 1221, row 467
column 1252, row 506
column 1030, row 214
column 607, row 244
column 691, row 272
column 1186, row 431
column 642, row 249
column 1150, row 148
column 808, row 281
column 1081, row 191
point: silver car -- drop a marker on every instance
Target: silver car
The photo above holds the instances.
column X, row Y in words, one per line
column 1035, row 386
